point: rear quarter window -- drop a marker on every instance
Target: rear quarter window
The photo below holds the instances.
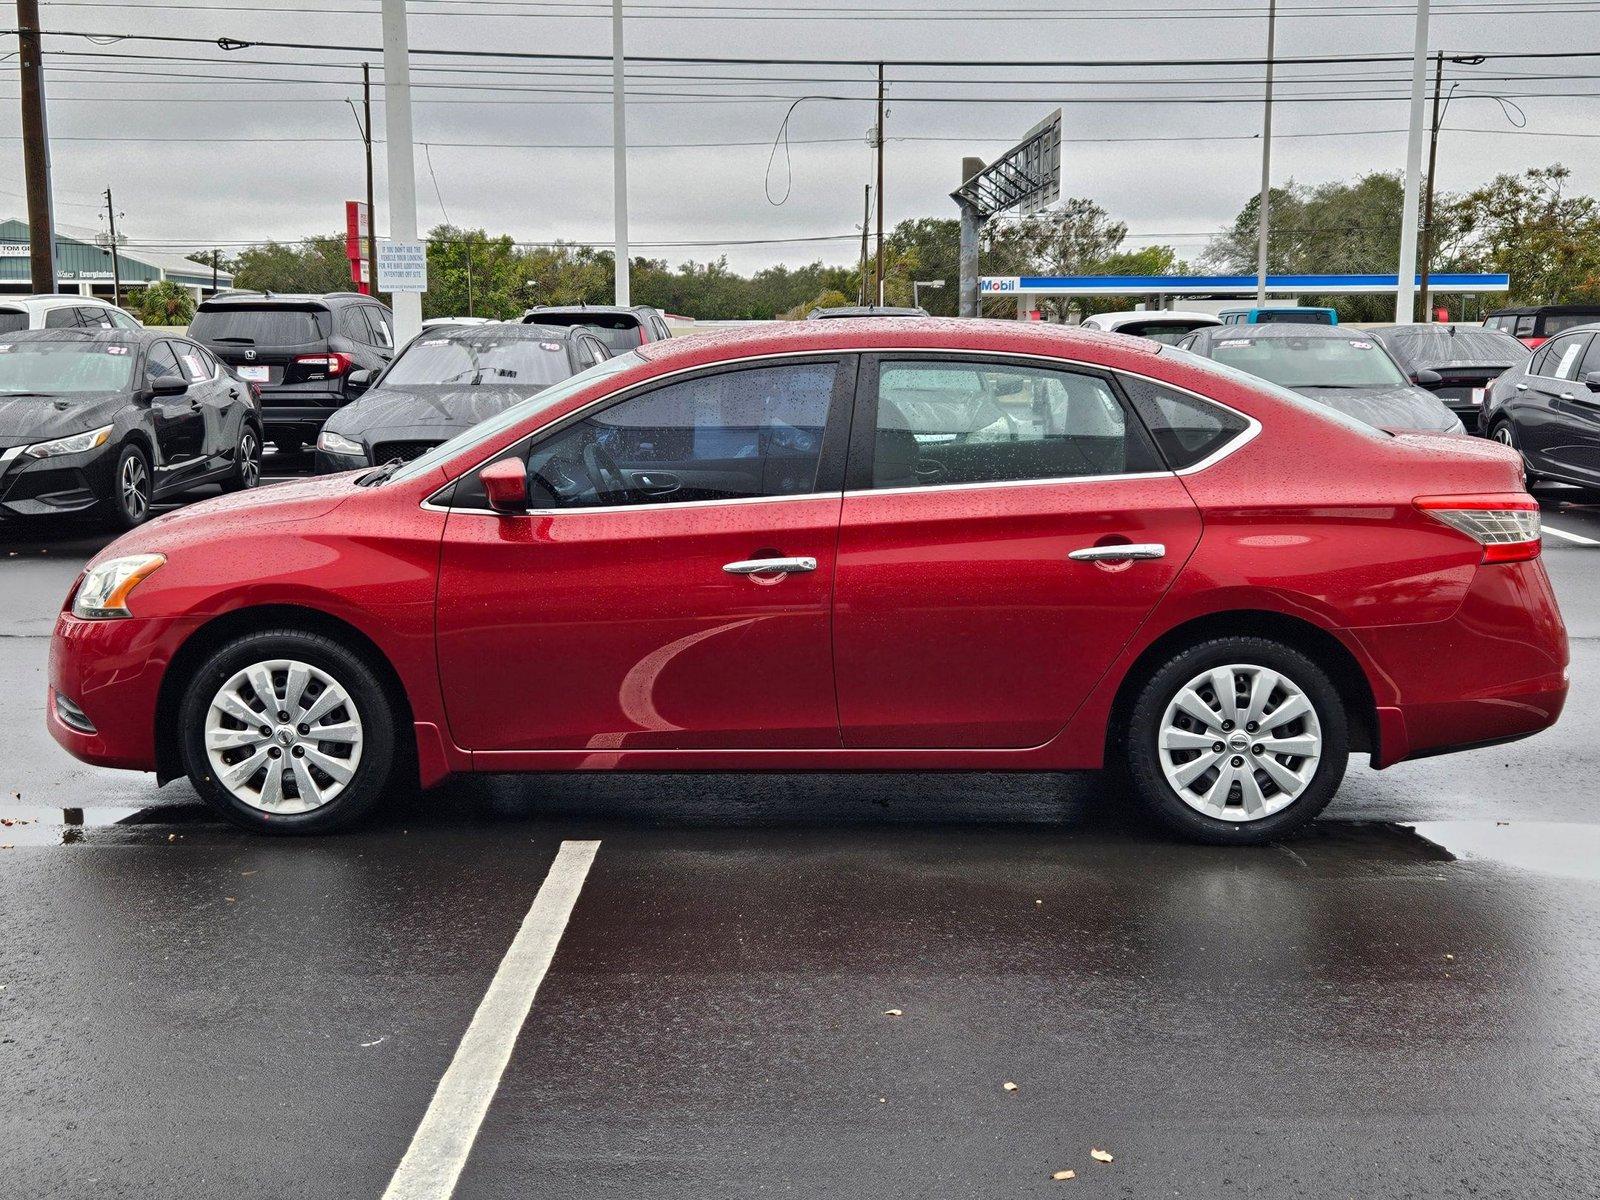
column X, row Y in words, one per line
column 12, row 321
column 1187, row 430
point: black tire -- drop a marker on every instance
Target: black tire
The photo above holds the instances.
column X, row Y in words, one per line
column 378, row 772
column 1504, row 431
column 246, row 461
column 132, row 488
column 1145, row 724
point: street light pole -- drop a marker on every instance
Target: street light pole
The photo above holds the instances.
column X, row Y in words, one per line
column 116, row 266
column 1263, row 209
column 1427, row 203
column 372, row 218
column 1406, row 273
column 880, row 140
column 619, row 149
column 36, row 149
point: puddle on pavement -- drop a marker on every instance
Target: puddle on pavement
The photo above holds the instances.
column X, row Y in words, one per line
column 1564, row 849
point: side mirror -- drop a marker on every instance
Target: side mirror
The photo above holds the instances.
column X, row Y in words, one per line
column 359, row 381
column 1592, row 381
column 169, row 385
column 1426, row 377
column 505, row 483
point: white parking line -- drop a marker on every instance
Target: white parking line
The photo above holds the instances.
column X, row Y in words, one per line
column 1571, row 537
column 439, row 1148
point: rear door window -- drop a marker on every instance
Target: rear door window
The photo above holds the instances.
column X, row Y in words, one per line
column 1555, row 323
column 96, row 318
column 61, row 318
column 353, row 325
column 12, row 321
column 378, row 323
column 196, row 363
column 1525, row 325
column 1560, row 360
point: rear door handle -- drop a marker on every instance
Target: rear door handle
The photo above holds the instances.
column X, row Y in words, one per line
column 1123, row 553
column 770, row 566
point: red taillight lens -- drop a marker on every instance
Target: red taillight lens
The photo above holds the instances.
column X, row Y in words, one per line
column 1505, row 524
column 334, row 364
column 1533, row 343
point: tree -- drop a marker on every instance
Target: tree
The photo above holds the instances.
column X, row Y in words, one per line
column 473, row 274
column 1529, row 227
column 166, row 303
column 314, row 264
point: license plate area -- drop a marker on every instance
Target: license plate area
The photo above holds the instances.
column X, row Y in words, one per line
column 254, row 374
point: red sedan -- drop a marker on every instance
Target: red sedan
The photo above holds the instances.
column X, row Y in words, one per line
column 867, row 545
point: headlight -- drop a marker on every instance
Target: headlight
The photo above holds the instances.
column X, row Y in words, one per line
column 333, row 443
column 104, row 592
column 76, row 444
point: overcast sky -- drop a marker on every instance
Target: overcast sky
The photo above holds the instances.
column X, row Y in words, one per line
column 290, row 179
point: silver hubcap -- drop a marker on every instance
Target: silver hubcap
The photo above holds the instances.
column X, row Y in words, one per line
column 134, row 484
column 249, row 459
column 1502, row 434
column 283, row 736
column 1240, row 742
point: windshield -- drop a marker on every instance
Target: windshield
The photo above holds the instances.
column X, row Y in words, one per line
column 478, row 360
column 1168, row 333
column 1297, row 362
column 1423, row 347
column 269, row 325
column 1257, row 383
column 61, row 368
column 515, row 415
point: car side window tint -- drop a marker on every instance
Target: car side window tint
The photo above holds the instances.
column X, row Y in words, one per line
column 378, row 320
column 122, row 320
column 974, row 422
column 732, row 435
column 1563, row 362
column 353, row 325
column 1187, row 429
column 95, row 318
column 161, row 363
column 1540, row 359
column 193, row 361
column 1525, row 325
column 1591, row 360
column 61, row 318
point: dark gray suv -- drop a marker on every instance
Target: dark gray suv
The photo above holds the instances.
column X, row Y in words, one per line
column 300, row 351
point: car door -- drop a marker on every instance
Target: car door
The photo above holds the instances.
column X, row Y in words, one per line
column 179, row 421
column 1574, row 448
column 380, row 336
column 629, row 611
column 1542, row 425
column 219, row 398
column 1006, row 527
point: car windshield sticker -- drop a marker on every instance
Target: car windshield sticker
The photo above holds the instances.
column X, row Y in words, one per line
column 1362, row 345
column 1232, row 343
column 552, row 346
column 116, row 349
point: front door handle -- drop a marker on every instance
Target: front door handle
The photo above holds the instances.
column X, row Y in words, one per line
column 1522, row 387
column 770, row 566
column 1122, row 553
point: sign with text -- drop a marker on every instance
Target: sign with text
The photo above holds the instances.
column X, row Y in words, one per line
column 357, row 229
column 402, row 267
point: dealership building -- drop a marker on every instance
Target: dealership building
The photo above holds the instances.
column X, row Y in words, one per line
column 84, row 267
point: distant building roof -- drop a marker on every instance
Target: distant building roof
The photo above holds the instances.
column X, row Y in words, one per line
column 81, row 259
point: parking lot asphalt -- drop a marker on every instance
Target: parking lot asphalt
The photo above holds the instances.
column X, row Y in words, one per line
column 809, row 985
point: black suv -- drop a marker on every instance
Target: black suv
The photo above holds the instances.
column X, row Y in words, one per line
column 622, row 329
column 300, row 351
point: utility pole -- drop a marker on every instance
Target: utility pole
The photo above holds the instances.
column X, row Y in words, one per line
column 619, row 150
column 880, row 183
column 967, row 301
column 36, row 149
column 372, row 212
column 216, row 269
column 1406, row 273
column 116, row 263
column 402, row 158
column 1262, row 211
column 1427, row 203
column 866, row 226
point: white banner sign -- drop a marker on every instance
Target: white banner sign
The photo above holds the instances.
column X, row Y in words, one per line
column 402, row 266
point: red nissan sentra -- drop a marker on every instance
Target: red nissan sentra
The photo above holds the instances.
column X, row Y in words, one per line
column 873, row 545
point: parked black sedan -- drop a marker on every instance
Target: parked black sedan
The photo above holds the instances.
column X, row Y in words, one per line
column 1457, row 363
column 1549, row 408
column 1345, row 369
column 113, row 420
column 447, row 380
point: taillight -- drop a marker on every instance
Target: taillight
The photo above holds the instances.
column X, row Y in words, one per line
column 1505, row 524
column 1533, row 343
column 333, row 363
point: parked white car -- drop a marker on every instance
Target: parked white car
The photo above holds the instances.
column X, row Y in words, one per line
column 1159, row 325
column 61, row 312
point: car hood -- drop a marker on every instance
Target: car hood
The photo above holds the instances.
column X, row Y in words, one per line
column 1399, row 409
column 448, row 410
column 28, row 419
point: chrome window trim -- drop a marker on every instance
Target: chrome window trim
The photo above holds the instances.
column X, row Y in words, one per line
column 1245, row 436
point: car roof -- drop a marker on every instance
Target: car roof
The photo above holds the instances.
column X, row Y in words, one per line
column 1532, row 309
column 254, row 299
column 135, row 336
column 507, row 331
column 962, row 334
column 54, row 300
column 867, row 310
column 1157, row 314
column 607, row 309
column 1277, row 329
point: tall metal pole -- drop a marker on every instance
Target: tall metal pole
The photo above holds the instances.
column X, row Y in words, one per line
column 116, row 265
column 880, row 140
column 372, row 212
column 619, row 150
column 1427, row 203
column 967, row 304
column 1406, row 281
column 1263, row 210
column 36, row 149
column 866, row 228
column 216, row 268
column 401, row 157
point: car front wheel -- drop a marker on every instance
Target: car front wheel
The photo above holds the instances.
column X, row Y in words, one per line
column 132, row 488
column 1239, row 740
column 288, row 731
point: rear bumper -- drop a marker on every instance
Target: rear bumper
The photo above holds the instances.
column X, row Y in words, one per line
column 1494, row 672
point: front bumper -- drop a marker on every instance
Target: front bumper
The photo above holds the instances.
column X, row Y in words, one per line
column 325, row 462
column 45, row 487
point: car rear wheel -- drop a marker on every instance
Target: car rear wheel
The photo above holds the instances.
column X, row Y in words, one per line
column 132, row 488
column 246, row 462
column 1239, row 740
column 1505, row 433
column 288, row 731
